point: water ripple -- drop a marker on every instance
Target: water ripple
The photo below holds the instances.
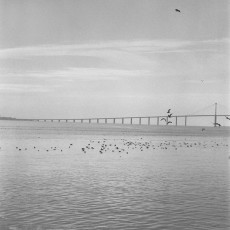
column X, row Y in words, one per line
column 144, row 190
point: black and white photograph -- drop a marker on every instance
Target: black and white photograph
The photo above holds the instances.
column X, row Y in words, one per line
column 114, row 114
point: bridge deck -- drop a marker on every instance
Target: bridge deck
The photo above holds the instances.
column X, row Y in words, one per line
column 167, row 119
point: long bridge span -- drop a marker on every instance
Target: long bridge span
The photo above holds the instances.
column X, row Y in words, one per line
column 167, row 119
column 151, row 120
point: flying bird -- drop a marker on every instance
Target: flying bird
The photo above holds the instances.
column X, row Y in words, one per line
column 217, row 124
column 177, row 10
column 169, row 122
column 169, row 111
column 228, row 118
column 170, row 115
column 163, row 119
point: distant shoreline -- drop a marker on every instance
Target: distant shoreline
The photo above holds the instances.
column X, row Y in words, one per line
column 55, row 128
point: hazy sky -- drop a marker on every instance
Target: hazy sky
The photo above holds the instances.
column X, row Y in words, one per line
column 89, row 58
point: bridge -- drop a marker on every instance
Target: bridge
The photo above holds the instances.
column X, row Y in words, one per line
column 149, row 120
column 122, row 119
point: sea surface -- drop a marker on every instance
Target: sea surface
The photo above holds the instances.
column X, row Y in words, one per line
column 106, row 182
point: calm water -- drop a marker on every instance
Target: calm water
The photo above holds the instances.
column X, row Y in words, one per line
column 179, row 187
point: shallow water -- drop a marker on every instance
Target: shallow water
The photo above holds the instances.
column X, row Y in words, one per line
column 166, row 186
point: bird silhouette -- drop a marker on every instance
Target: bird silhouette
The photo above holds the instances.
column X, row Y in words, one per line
column 169, row 122
column 177, row 10
column 217, row 124
column 228, row 118
column 169, row 111
column 163, row 119
column 170, row 115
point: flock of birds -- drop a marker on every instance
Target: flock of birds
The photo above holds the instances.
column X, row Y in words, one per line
column 169, row 115
column 38, row 149
column 124, row 146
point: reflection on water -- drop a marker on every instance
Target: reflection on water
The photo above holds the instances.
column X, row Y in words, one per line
column 150, row 189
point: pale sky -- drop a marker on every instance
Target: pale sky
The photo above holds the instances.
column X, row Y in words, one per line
column 90, row 58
